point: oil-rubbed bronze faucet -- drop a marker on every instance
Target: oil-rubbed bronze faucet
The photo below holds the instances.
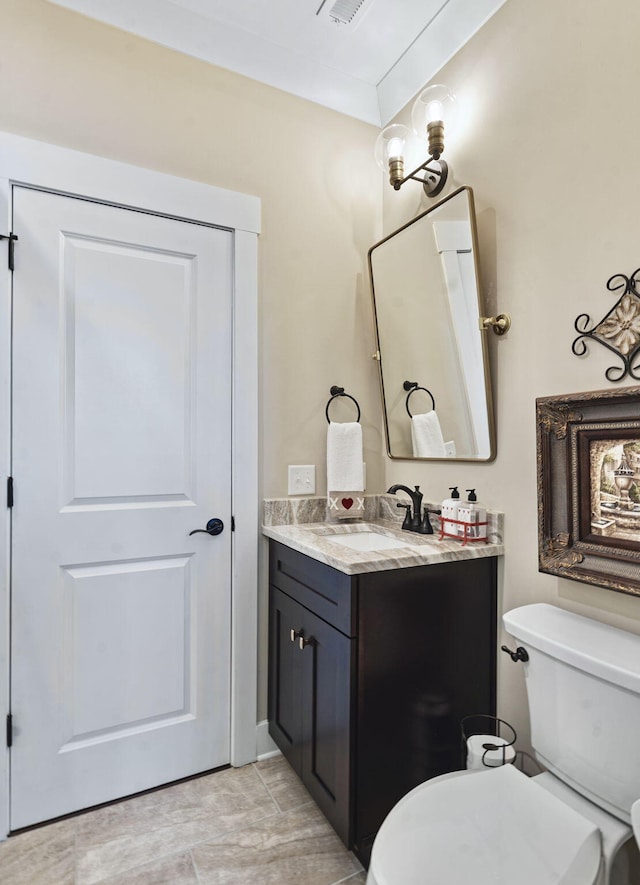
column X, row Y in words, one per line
column 414, row 520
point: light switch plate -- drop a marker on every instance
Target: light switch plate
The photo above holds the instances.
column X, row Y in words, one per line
column 302, row 479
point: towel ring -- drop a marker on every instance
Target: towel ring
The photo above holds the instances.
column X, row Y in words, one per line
column 339, row 391
column 412, row 386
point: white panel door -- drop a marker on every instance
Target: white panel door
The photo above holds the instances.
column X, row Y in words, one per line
column 121, row 447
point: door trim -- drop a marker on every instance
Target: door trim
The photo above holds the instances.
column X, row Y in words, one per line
column 36, row 164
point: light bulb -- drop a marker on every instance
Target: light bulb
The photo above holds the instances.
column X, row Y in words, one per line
column 395, row 148
column 434, row 111
column 434, row 107
column 389, row 151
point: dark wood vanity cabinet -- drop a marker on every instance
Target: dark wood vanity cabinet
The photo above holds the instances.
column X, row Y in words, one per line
column 370, row 675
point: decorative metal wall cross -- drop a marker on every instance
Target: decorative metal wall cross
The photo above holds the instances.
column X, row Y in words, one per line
column 619, row 330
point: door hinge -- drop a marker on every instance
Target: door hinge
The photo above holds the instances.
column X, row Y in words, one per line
column 233, row 523
column 9, row 730
column 11, row 251
column 9, row 491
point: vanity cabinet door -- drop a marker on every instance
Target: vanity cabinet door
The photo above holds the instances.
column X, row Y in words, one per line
column 326, row 719
column 285, row 676
column 310, row 666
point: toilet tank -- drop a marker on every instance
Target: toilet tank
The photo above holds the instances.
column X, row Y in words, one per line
column 583, row 685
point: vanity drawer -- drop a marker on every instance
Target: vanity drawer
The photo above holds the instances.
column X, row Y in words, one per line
column 318, row 587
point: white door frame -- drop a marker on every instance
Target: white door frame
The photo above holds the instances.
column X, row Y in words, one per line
column 36, row 164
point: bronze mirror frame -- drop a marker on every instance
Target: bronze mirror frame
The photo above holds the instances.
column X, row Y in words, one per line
column 379, row 355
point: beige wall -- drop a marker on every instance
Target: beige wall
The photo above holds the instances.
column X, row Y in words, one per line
column 536, row 88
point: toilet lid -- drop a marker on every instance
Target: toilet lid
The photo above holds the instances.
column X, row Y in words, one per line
column 493, row 827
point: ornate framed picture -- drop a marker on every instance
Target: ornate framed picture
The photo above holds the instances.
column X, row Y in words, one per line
column 589, row 487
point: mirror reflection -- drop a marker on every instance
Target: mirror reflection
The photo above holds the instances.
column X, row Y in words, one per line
column 432, row 354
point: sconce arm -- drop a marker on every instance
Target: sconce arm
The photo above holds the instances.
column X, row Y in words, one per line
column 432, row 185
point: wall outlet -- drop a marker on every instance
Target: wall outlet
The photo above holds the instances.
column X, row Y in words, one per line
column 302, row 479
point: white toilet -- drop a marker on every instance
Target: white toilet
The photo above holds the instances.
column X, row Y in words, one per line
column 563, row 827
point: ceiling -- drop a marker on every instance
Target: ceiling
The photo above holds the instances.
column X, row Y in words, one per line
column 368, row 66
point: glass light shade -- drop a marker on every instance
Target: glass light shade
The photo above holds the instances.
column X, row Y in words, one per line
column 390, row 144
column 435, row 103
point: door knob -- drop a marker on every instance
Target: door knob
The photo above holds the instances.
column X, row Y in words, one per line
column 214, row 527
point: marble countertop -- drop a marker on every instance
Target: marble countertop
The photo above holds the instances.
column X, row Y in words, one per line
column 317, row 540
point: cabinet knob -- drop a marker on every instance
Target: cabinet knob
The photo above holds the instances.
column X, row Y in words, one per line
column 296, row 634
column 304, row 640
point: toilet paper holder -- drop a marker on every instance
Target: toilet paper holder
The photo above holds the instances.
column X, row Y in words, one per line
column 487, row 741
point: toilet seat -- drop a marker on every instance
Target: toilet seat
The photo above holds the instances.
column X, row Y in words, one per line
column 635, row 820
column 493, row 827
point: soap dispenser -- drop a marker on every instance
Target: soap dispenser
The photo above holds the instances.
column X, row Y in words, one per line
column 475, row 516
column 449, row 518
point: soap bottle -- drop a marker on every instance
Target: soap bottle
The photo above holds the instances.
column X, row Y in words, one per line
column 475, row 516
column 449, row 514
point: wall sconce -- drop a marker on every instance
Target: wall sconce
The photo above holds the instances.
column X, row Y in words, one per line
column 431, row 109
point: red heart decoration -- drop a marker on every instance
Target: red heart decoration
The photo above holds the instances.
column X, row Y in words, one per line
column 347, row 503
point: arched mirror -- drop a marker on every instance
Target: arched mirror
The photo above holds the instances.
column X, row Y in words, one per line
column 434, row 369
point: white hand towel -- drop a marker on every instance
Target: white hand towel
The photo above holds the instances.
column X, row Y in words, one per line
column 344, row 457
column 426, row 436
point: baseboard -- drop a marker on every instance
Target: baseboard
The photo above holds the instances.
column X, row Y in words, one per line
column 264, row 745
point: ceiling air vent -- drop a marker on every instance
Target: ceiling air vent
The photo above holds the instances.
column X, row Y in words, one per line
column 344, row 12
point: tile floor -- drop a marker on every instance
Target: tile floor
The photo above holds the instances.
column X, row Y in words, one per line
column 241, row 826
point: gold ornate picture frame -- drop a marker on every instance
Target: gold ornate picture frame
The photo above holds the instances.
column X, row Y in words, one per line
column 588, row 447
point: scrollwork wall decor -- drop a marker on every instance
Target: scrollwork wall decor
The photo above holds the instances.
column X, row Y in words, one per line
column 618, row 330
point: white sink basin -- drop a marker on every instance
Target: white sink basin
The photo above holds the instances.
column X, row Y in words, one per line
column 368, row 541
